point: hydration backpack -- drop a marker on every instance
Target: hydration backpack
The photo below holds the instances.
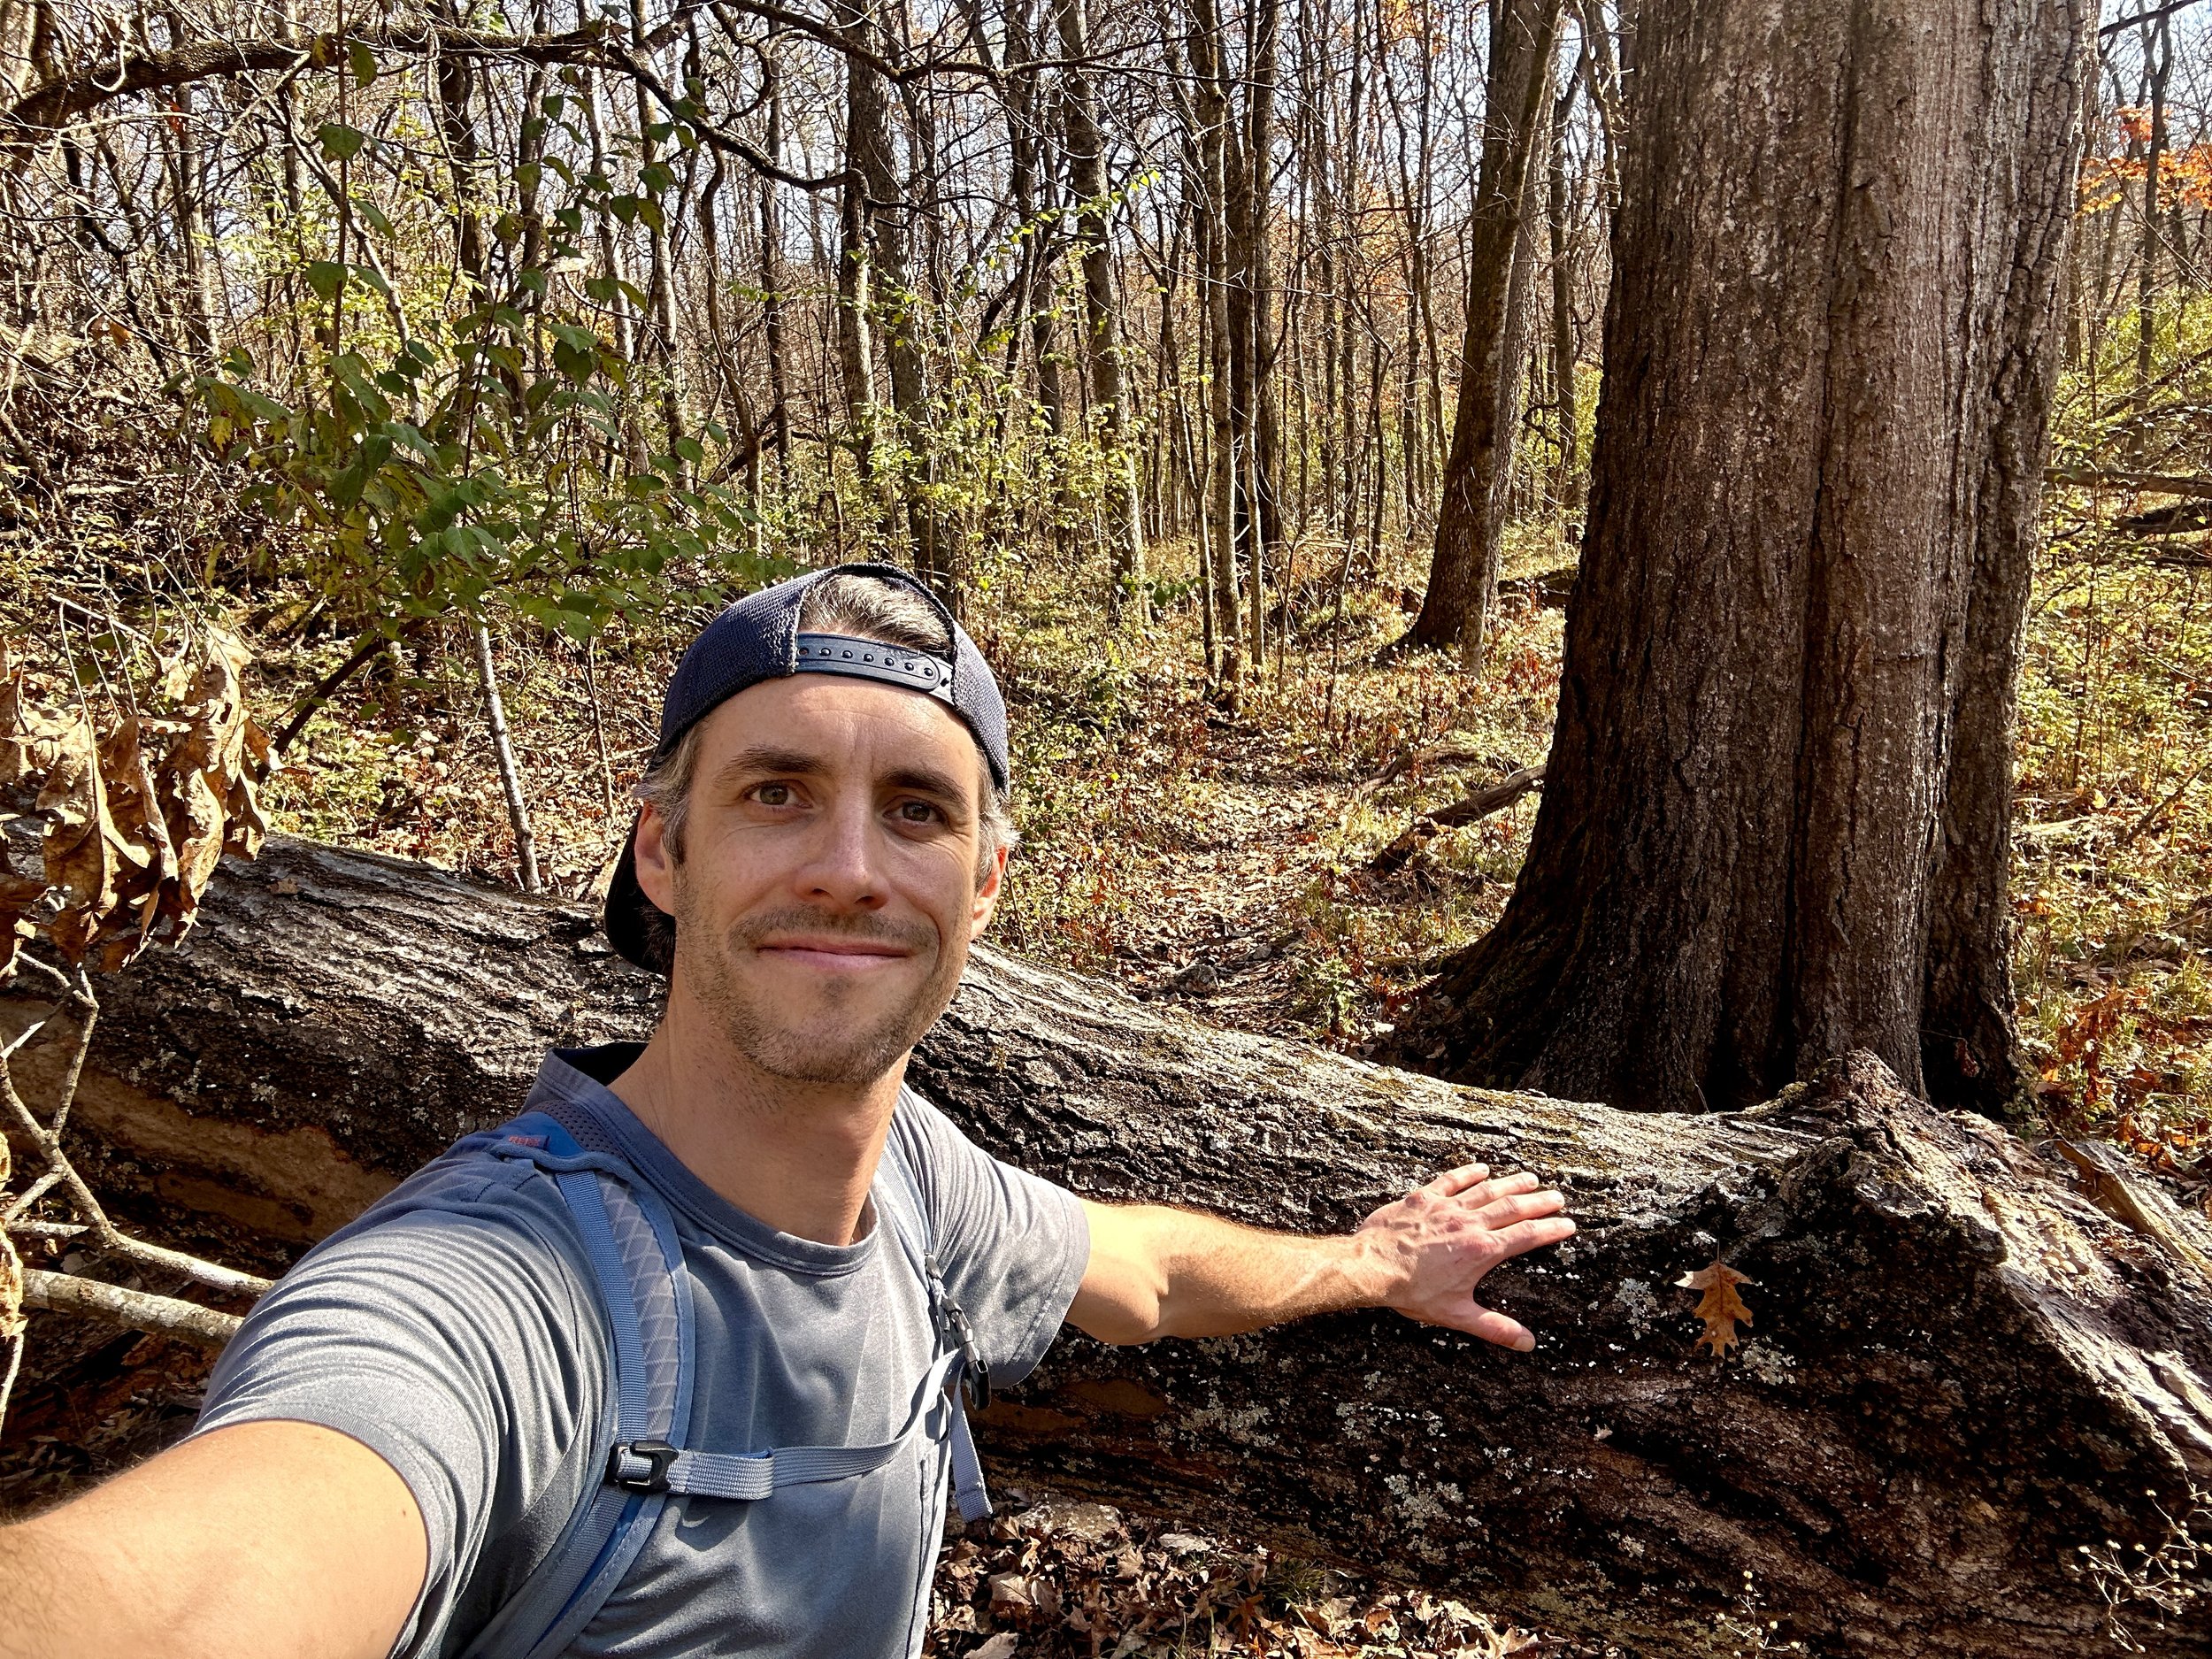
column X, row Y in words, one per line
column 629, row 1237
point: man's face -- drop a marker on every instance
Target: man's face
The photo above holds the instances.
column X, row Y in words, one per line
column 827, row 890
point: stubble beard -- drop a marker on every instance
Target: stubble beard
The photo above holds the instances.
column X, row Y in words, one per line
column 830, row 1048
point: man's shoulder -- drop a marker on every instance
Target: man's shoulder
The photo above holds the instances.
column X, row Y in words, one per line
column 468, row 1221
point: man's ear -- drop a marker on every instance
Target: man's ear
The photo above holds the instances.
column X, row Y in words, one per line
column 988, row 892
column 656, row 867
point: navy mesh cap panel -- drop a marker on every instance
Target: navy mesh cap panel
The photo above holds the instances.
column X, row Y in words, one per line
column 758, row 639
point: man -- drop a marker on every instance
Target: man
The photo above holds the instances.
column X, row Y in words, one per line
column 409, row 1422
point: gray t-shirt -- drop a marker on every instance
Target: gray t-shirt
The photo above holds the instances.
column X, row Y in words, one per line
column 461, row 1338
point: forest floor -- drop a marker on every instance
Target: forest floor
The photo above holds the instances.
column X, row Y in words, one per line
column 1229, row 863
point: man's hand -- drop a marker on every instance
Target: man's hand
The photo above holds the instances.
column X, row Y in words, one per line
column 1156, row 1271
column 1431, row 1248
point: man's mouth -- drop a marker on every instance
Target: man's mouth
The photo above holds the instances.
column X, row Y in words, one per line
column 833, row 953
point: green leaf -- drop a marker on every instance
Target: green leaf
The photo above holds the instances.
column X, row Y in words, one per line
column 528, row 175
column 325, row 277
column 340, row 143
column 577, row 364
column 555, row 102
column 531, row 283
column 649, row 211
column 655, row 179
column 373, row 214
column 624, row 208
column 362, row 60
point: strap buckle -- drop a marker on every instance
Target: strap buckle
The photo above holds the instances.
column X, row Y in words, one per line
column 976, row 1376
column 659, row 1457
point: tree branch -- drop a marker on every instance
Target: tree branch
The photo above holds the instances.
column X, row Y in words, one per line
column 162, row 1316
column 2151, row 483
column 59, row 102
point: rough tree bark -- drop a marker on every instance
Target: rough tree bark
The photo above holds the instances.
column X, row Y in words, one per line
column 1464, row 568
column 1960, row 1367
column 875, row 293
column 1774, row 823
column 1086, row 178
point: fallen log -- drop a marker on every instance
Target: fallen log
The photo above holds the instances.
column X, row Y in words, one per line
column 1966, row 1364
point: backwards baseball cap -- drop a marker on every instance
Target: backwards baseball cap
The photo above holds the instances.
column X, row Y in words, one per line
column 758, row 638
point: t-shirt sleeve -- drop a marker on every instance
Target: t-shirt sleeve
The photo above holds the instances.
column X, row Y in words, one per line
column 462, row 1347
column 1014, row 1246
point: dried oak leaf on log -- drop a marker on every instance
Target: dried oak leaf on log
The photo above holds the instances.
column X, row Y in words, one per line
column 1720, row 1307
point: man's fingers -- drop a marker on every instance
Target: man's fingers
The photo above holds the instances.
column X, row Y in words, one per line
column 1486, row 1323
column 1525, row 1236
column 1477, row 1194
column 1451, row 1183
column 1503, row 1211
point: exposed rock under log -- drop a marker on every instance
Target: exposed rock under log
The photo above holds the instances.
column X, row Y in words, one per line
column 1967, row 1359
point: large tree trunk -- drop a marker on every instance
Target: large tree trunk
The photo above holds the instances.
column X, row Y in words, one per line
column 1463, row 567
column 1775, row 821
column 1960, row 1368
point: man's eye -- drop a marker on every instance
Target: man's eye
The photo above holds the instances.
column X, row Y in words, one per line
column 918, row 812
column 774, row 794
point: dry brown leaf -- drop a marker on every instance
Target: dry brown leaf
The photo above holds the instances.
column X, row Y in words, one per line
column 20, row 894
column 149, row 862
column 136, row 821
column 30, row 737
column 10, row 1286
column 80, row 845
column 1719, row 1306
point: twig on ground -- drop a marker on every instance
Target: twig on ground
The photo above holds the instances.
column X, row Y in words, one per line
column 46, row 1229
column 1468, row 809
column 47, row 1139
column 1425, row 759
column 2150, row 818
column 162, row 1316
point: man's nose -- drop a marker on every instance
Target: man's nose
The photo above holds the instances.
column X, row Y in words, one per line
column 843, row 866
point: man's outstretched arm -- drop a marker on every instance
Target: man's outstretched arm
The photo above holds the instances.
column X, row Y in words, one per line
column 1156, row 1271
column 263, row 1538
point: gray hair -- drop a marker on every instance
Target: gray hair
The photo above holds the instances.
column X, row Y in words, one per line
column 866, row 608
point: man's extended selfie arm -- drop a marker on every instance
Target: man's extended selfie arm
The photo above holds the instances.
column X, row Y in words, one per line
column 1158, row 1271
column 263, row 1538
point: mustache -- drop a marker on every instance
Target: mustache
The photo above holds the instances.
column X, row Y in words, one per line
column 914, row 936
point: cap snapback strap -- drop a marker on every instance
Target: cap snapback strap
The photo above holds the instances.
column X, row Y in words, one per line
column 872, row 659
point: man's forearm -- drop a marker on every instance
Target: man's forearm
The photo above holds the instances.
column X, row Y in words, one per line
column 1156, row 1271
column 1178, row 1272
column 265, row 1538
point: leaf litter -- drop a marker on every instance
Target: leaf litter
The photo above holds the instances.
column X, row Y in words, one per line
column 1058, row 1578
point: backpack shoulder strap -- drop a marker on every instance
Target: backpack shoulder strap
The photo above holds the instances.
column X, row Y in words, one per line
column 630, row 1241
column 636, row 1261
column 907, row 1215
